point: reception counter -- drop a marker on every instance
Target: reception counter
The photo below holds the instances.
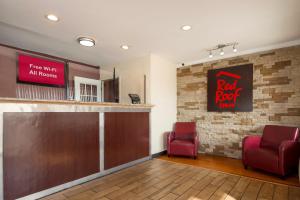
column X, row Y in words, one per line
column 48, row 146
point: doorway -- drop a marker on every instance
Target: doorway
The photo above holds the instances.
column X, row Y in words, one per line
column 111, row 90
column 87, row 90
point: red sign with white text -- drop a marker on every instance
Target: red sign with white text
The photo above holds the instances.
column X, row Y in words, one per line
column 41, row 71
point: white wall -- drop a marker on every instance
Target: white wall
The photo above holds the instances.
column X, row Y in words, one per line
column 163, row 94
column 131, row 77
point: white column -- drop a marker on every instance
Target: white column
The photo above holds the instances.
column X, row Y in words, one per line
column 101, row 140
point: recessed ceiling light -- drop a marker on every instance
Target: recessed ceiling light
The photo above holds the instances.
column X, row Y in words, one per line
column 85, row 41
column 125, row 47
column 52, row 17
column 186, row 27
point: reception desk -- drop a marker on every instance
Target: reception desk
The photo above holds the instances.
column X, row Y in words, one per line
column 48, row 146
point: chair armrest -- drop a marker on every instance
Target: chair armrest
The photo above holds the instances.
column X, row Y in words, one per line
column 170, row 138
column 249, row 142
column 289, row 152
column 196, row 141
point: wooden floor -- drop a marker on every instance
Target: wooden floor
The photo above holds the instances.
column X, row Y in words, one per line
column 159, row 179
column 233, row 166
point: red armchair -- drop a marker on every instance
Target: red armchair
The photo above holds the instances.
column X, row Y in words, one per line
column 276, row 151
column 183, row 140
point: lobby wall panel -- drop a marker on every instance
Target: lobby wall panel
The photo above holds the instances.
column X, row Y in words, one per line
column 9, row 87
column 276, row 99
column 126, row 137
column 43, row 150
column 7, row 75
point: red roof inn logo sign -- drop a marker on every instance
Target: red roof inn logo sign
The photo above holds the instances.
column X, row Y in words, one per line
column 227, row 93
column 40, row 71
column 230, row 89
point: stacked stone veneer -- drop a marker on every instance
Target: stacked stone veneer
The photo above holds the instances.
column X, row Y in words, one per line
column 276, row 99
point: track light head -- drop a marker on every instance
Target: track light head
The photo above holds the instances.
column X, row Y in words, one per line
column 234, row 49
column 222, row 52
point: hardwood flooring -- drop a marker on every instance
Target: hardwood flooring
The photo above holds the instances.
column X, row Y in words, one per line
column 233, row 166
column 159, row 179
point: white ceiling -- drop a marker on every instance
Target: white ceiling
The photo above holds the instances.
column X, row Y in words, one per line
column 147, row 26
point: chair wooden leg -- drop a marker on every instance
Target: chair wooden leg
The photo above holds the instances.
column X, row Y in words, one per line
column 245, row 167
column 283, row 177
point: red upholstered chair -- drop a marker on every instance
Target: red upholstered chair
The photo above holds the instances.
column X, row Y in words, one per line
column 276, row 151
column 183, row 140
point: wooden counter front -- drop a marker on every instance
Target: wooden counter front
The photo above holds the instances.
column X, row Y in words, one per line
column 126, row 137
column 43, row 150
column 50, row 146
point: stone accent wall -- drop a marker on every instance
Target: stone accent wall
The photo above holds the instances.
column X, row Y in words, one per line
column 276, row 99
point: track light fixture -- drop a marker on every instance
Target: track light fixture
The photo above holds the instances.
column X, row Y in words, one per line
column 221, row 48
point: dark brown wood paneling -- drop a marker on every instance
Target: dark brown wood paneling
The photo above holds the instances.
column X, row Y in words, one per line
column 7, row 77
column 8, row 72
column 75, row 69
column 79, row 70
column 126, row 137
column 42, row 150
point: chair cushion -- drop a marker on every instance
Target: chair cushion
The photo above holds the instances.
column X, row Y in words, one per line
column 273, row 136
column 182, row 142
column 185, row 130
column 262, row 158
column 182, row 147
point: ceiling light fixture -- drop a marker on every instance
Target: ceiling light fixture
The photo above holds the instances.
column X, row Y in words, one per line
column 234, row 49
column 186, row 27
column 125, row 47
column 85, row 41
column 221, row 47
column 52, row 17
column 222, row 52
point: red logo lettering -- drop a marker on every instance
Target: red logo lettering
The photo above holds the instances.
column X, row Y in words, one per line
column 227, row 92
